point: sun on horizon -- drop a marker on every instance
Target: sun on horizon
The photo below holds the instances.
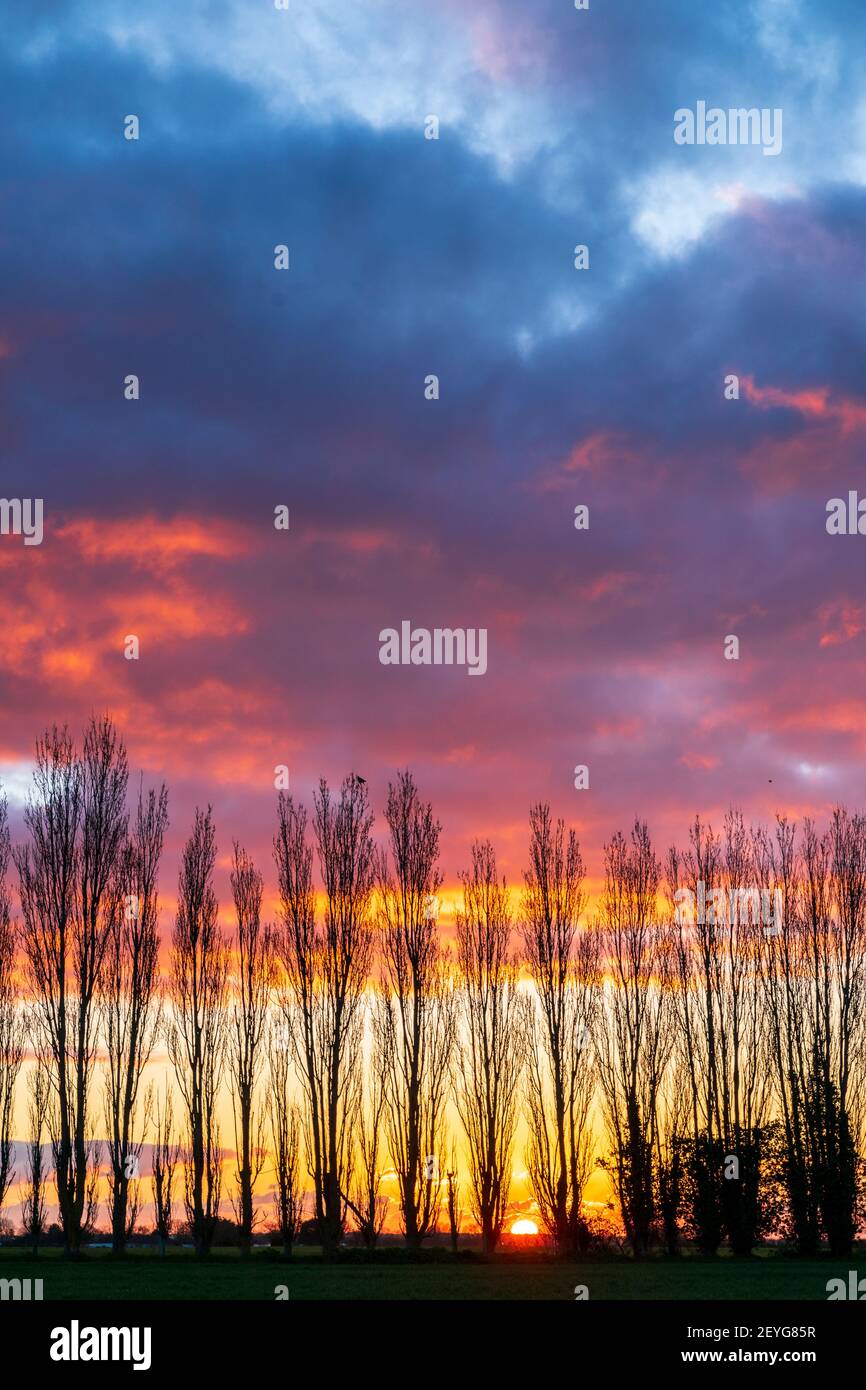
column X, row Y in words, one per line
column 524, row 1227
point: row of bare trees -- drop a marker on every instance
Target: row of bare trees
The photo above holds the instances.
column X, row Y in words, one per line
column 732, row 1047
column 713, row 1063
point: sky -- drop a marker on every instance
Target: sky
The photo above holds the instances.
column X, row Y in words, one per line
column 558, row 387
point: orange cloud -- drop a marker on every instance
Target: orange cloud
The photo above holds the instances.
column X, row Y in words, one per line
column 461, row 755
column 843, row 621
column 619, row 728
column 699, row 760
column 148, row 541
column 591, row 455
column 614, row 582
column 363, row 540
column 68, row 663
column 175, row 613
column 840, row 716
column 815, row 403
column 829, row 433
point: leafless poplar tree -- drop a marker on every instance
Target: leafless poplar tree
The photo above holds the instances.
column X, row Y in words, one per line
column 633, row 1043
column 249, row 1015
column 721, row 1033
column 12, row 1025
column 563, row 964
column 35, row 1204
column 299, row 948
column 491, row 1040
column 452, row 1179
column 286, row 1127
column 785, row 999
column 197, row 1029
column 814, row 971
column 835, row 950
column 366, row 1203
column 93, row 1158
column 838, row 1014
column 672, row 1152
column 76, row 823
column 130, row 1005
column 326, row 971
column 419, row 998
column 166, row 1153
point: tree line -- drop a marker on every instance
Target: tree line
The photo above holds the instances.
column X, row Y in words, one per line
column 711, row 1062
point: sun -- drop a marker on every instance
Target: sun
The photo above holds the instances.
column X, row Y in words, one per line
column 523, row 1227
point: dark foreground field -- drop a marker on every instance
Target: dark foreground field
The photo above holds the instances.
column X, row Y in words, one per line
column 142, row 1275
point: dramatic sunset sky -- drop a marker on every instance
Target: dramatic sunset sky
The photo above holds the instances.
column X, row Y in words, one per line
column 558, row 387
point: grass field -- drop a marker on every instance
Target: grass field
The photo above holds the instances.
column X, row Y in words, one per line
column 142, row 1275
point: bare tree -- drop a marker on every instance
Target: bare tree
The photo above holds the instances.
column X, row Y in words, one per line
column 838, row 953
column 785, row 999
column 491, row 1040
column 12, row 1025
column 694, row 1155
column 633, row 1045
column 197, row 1026
column 563, row 964
column 420, row 1002
column 367, row 1204
column 166, row 1153
column 93, row 1159
column 814, row 975
column 672, row 1152
column 285, row 1141
column 326, row 971
column 77, row 825
column 452, row 1179
column 249, row 1013
column 34, row 1208
column 722, row 1034
column 130, row 1005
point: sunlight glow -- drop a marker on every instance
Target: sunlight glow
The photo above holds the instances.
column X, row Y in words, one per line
column 523, row 1227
